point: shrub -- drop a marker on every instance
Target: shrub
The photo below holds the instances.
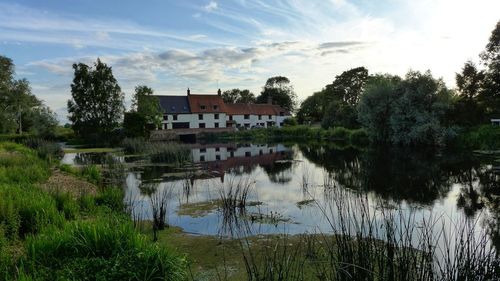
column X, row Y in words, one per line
column 105, row 249
column 484, row 137
column 340, row 133
column 47, row 150
column 359, row 137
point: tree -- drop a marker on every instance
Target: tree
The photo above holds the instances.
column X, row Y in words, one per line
column 348, row 86
column 406, row 112
column 312, row 109
column 145, row 114
column 19, row 109
column 490, row 93
column 279, row 90
column 467, row 111
column 96, row 107
column 238, row 96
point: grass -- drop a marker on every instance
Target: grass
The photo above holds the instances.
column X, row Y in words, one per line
column 74, row 235
column 90, row 150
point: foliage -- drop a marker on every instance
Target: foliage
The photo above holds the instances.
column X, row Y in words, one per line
column 92, row 173
column 490, row 93
column 406, row 111
column 292, row 121
column 312, row 109
column 104, row 249
column 96, row 107
column 20, row 110
column 238, row 96
column 485, row 137
column 279, row 90
column 112, row 198
column 147, row 109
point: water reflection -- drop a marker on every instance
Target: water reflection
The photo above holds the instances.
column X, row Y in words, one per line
column 294, row 183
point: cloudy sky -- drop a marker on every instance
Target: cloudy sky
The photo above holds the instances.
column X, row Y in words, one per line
column 171, row 45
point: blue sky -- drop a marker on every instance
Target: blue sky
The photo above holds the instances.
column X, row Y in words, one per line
column 171, row 45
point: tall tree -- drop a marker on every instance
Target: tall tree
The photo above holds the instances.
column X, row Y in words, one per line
column 312, row 108
column 280, row 91
column 238, row 96
column 146, row 113
column 96, row 107
column 490, row 93
column 467, row 111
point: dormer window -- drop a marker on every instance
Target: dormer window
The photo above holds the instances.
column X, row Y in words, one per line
column 185, row 108
column 216, row 107
column 202, row 107
column 173, row 108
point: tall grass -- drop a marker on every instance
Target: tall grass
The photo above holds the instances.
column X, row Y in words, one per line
column 158, row 152
column 371, row 244
column 159, row 206
column 104, row 249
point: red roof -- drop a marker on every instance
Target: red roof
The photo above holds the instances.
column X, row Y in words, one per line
column 256, row 109
column 206, row 104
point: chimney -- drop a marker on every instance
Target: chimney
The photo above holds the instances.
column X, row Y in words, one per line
column 269, row 100
column 188, row 92
column 219, row 92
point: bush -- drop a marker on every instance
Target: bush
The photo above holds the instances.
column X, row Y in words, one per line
column 47, row 150
column 484, row 137
column 105, row 249
column 340, row 133
column 359, row 137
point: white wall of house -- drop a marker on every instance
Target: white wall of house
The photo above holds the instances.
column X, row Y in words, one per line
column 194, row 121
column 254, row 120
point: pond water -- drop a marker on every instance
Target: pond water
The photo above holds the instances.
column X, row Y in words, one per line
column 311, row 188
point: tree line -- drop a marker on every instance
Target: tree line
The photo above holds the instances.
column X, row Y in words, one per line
column 412, row 110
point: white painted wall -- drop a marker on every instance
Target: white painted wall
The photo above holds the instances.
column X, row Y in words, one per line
column 254, row 120
column 194, row 122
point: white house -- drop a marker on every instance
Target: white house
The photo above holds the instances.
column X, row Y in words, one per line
column 210, row 112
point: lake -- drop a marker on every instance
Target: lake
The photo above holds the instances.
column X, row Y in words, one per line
column 317, row 188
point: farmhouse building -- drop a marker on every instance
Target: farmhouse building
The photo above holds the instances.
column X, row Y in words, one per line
column 207, row 112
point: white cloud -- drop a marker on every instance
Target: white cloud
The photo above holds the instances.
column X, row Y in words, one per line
column 211, row 6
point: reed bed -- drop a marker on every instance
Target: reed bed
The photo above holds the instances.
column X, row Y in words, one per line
column 158, row 152
column 369, row 243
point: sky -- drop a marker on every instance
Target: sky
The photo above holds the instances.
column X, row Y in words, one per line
column 204, row 45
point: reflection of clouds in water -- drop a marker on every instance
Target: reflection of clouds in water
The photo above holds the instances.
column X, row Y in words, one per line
column 375, row 182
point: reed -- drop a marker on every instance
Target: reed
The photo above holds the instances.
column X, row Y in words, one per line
column 158, row 152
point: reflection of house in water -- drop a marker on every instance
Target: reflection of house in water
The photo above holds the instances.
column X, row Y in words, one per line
column 238, row 159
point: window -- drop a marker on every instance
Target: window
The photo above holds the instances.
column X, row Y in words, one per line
column 281, row 124
column 247, row 116
column 216, row 116
column 203, row 150
column 217, row 157
column 202, row 125
column 215, row 107
column 230, row 117
column 216, row 125
column 217, row 149
column 202, row 158
column 165, row 117
column 185, row 108
column 248, row 154
column 260, row 117
column 200, row 116
column 202, row 107
column 174, row 117
column 270, row 117
column 282, row 113
column 173, row 108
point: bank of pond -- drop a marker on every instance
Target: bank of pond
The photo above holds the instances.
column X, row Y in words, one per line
column 247, row 211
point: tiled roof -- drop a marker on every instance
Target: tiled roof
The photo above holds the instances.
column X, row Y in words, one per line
column 206, row 104
column 257, row 109
column 174, row 104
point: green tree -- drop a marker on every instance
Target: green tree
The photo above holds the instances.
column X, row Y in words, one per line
column 145, row 115
column 348, row 86
column 238, row 96
column 490, row 93
column 96, row 107
column 312, row 109
column 406, row 112
column 280, row 91
column 467, row 111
